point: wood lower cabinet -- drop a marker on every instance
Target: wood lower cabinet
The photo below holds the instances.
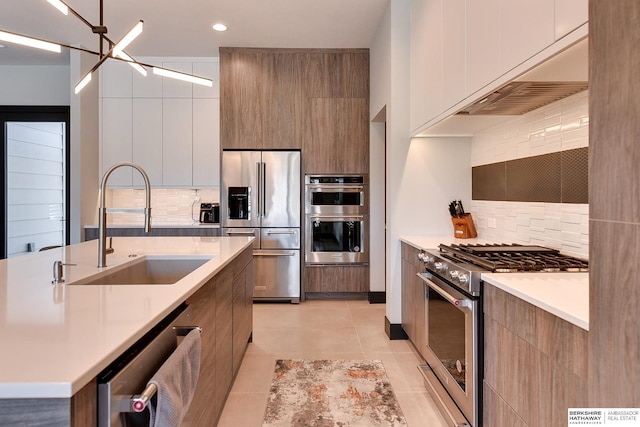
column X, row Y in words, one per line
column 535, row 364
column 226, row 330
column 413, row 298
column 336, row 279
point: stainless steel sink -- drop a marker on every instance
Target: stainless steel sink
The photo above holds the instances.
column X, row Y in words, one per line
column 149, row 270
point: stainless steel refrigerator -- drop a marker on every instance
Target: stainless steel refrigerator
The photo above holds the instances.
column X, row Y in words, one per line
column 260, row 196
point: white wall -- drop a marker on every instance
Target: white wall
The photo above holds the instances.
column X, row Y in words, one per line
column 31, row 85
column 423, row 174
column 84, row 147
column 380, row 84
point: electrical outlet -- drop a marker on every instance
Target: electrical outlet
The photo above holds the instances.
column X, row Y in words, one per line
column 491, row 222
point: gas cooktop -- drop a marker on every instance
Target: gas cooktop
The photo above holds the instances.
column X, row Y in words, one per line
column 507, row 258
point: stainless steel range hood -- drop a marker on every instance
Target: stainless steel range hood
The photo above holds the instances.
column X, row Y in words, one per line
column 561, row 76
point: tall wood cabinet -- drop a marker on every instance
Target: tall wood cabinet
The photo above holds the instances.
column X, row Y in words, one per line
column 310, row 99
column 314, row 100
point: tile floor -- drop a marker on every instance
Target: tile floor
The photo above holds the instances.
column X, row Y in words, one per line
column 324, row 330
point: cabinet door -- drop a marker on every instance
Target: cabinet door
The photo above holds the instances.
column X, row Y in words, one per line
column 177, row 148
column 338, row 136
column 115, row 79
column 570, row 14
column 425, row 61
column 210, row 70
column 281, row 101
column 116, row 143
column 206, row 142
column 454, row 52
column 147, row 139
column 224, row 338
column 202, row 312
column 483, row 43
column 240, row 109
column 527, row 27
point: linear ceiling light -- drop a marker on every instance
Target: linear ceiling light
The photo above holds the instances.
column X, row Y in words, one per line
column 29, row 41
column 60, row 6
column 139, row 68
column 85, row 81
column 128, row 38
column 182, row 76
column 116, row 50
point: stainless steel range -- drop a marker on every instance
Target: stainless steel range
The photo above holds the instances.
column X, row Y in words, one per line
column 453, row 317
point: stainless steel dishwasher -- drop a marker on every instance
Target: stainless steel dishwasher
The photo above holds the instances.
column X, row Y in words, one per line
column 123, row 394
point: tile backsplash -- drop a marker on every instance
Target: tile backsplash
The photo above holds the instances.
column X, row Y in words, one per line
column 560, row 126
column 168, row 206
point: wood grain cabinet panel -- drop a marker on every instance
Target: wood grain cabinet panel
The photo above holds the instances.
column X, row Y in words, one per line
column 224, row 338
column 535, row 364
column 337, row 278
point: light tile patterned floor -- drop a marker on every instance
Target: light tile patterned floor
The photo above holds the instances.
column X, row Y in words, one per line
column 324, row 330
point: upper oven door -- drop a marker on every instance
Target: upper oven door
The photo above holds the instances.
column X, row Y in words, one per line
column 335, row 199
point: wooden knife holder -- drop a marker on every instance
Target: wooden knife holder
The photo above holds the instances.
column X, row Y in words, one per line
column 463, row 227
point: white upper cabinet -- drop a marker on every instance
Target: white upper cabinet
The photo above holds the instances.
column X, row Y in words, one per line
column 526, row 27
column 463, row 49
column 147, row 139
column 177, row 142
column 116, row 143
column 454, row 59
column 426, row 98
column 483, row 43
column 206, row 142
column 570, row 14
column 170, row 127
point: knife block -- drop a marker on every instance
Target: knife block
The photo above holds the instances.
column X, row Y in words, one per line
column 463, row 227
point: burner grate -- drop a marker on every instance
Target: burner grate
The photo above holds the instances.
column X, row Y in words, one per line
column 503, row 258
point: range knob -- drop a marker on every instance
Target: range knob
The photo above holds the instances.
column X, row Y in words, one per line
column 463, row 279
column 453, row 274
column 428, row 259
column 440, row 266
column 421, row 256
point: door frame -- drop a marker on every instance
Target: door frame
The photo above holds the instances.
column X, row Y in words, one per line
column 26, row 113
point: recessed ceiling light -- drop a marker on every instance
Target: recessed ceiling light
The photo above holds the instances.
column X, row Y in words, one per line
column 219, row 27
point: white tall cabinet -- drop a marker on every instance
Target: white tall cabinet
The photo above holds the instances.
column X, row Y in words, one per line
column 460, row 49
column 169, row 127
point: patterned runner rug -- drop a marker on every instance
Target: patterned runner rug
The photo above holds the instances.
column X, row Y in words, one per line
column 328, row 393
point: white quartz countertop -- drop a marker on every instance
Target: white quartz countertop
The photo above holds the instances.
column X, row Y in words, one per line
column 565, row 294
column 56, row 338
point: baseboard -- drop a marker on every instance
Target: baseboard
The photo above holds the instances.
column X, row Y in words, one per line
column 377, row 297
column 394, row 330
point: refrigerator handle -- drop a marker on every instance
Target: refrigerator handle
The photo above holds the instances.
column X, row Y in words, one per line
column 259, row 195
column 264, row 189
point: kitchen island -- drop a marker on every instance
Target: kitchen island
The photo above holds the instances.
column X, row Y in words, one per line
column 57, row 338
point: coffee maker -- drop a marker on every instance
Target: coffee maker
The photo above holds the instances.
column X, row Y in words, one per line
column 209, row 213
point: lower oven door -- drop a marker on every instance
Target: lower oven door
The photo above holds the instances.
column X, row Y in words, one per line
column 336, row 239
column 453, row 343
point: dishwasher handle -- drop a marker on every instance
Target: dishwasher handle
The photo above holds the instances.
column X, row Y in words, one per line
column 273, row 253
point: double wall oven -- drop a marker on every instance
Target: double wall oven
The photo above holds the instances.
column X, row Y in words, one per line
column 336, row 219
column 453, row 317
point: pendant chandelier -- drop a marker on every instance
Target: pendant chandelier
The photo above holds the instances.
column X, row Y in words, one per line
column 116, row 50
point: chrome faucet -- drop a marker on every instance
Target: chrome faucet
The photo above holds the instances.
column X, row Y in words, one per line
column 102, row 213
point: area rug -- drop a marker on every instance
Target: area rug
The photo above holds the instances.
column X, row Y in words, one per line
column 328, row 393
